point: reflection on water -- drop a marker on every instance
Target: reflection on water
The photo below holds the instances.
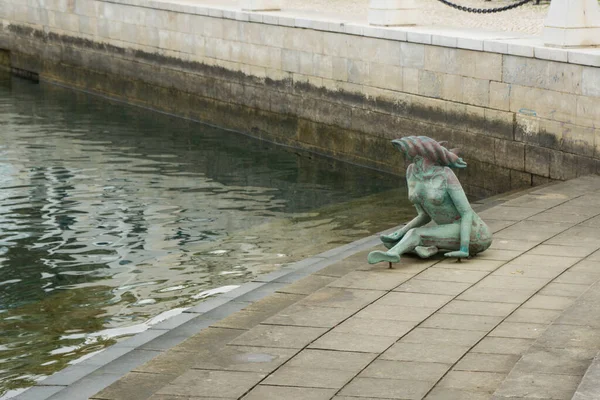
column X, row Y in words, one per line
column 112, row 215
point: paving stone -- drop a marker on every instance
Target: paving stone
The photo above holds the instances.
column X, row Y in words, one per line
column 563, row 251
column 568, row 336
column 466, row 322
column 299, row 315
column 496, row 295
column 313, row 376
column 545, row 260
column 173, row 397
column 534, row 315
column 308, row 285
column 499, row 255
column 564, row 289
column 425, row 352
column 518, row 330
column 342, row 360
column 295, row 337
column 513, row 245
column 397, row 313
column 595, row 256
column 178, row 335
column 353, row 342
column 409, row 370
column 244, row 359
column 241, row 320
column 212, row 383
column 481, row 362
column 386, row 388
column 473, row 264
column 454, row 394
column 443, row 336
column 512, row 282
column 579, row 277
column 135, row 386
column 515, row 232
column 433, row 287
column 478, row 308
column 569, row 361
column 274, row 303
column 413, row 300
column 563, row 216
column 211, row 338
column 341, row 268
column 384, row 327
column 498, row 345
column 539, row 386
column 529, row 271
column 264, row 392
column 505, row 213
column 549, row 302
column 472, row 381
column 578, row 236
column 170, row 363
column 385, row 279
column 343, row 298
column 452, row 275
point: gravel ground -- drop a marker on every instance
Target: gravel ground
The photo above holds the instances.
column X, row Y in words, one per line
column 527, row 19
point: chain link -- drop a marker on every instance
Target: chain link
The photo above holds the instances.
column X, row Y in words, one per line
column 485, row 10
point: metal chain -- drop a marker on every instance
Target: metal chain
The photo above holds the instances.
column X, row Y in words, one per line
column 485, row 10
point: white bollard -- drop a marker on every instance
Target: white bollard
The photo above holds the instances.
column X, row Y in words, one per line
column 261, row 5
column 573, row 23
column 393, row 12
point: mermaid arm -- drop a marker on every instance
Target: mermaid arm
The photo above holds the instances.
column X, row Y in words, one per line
column 421, row 219
column 463, row 207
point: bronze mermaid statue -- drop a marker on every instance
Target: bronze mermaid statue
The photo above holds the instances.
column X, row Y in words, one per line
column 437, row 195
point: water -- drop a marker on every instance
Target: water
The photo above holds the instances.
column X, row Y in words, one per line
column 113, row 217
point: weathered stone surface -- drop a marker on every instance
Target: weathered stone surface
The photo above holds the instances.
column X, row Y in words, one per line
column 386, row 388
column 478, row 308
column 409, row 370
column 319, row 317
column 353, row 342
column 479, row 362
column 540, row 386
column 313, row 377
column 413, row 300
column 340, row 360
column 472, row 381
column 425, row 352
column 466, row 322
column 294, row 337
column 231, row 384
column 501, row 345
column 243, row 358
column 264, row 392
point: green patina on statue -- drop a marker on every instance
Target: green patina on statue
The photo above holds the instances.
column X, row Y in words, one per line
column 438, row 196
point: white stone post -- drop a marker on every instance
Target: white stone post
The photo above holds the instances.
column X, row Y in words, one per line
column 573, row 23
column 393, row 12
column 261, row 5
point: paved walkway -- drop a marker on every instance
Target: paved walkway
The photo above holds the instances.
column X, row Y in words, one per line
column 527, row 19
column 494, row 326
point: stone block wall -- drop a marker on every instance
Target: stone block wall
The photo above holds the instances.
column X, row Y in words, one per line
column 520, row 114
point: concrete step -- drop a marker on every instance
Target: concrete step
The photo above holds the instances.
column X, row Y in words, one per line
column 563, row 363
column 589, row 388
